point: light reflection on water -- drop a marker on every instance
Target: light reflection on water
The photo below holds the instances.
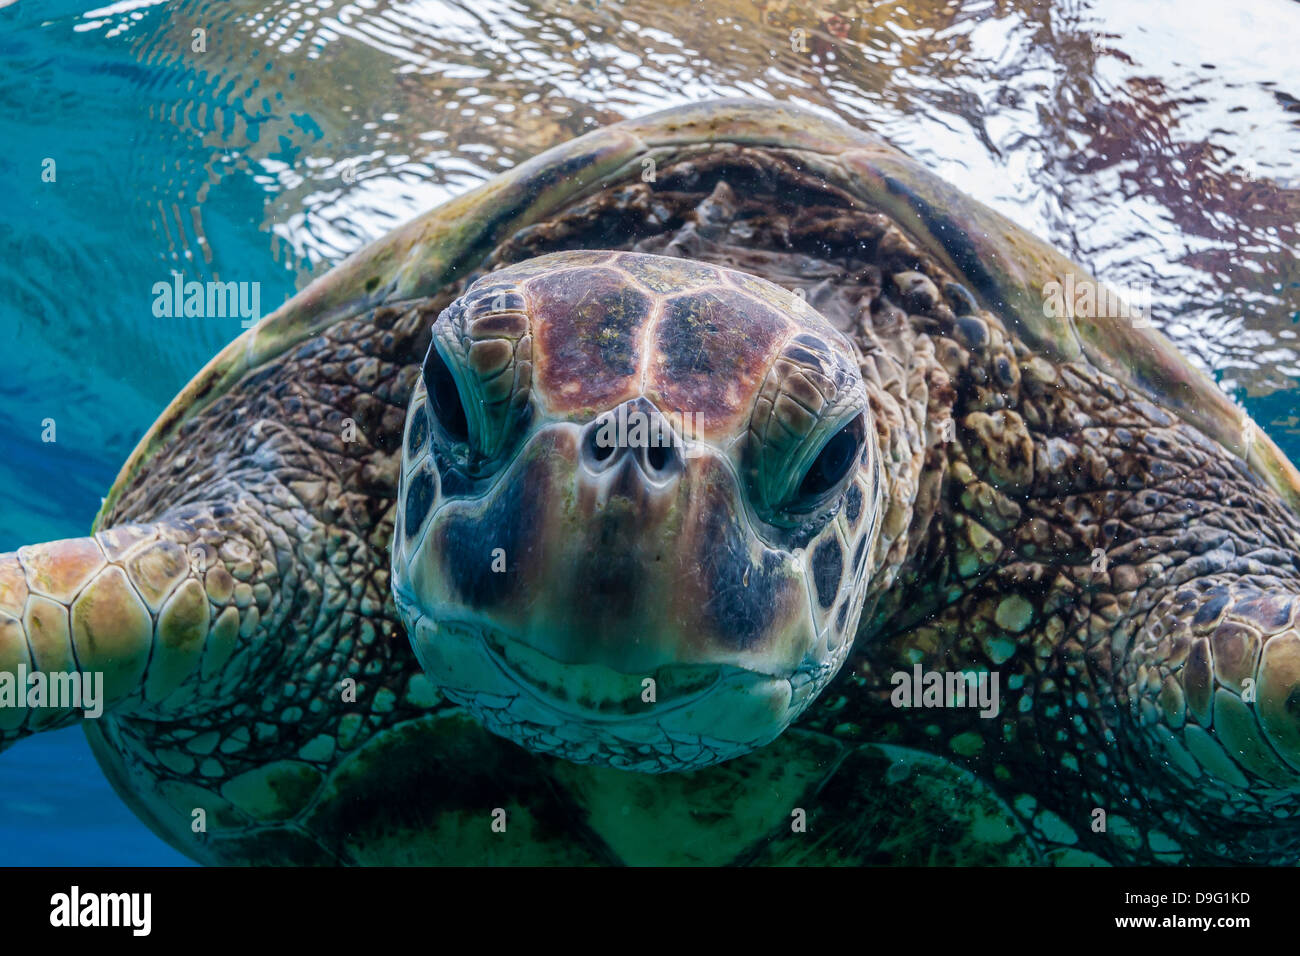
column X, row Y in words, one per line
column 1157, row 143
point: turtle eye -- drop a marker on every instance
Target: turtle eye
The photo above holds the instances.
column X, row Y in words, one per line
column 795, row 481
column 832, row 464
column 477, row 375
column 444, row 396
column 807, row 433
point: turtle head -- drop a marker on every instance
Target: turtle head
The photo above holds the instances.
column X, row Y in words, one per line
column 637, row 508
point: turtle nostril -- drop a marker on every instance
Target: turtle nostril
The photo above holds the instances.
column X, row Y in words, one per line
column 661, row 459
column 656, row 457
column 597, row 450
column 635, row 430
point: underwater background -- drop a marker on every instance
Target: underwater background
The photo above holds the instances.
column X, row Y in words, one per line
column 1158, row 143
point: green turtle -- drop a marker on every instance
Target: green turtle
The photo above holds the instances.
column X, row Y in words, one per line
column 718, row 487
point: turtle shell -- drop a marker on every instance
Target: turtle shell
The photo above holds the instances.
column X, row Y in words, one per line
column 1008, row 269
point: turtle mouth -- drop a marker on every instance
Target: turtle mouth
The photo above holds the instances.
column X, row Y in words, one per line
column 595, row 692
column 680, row 716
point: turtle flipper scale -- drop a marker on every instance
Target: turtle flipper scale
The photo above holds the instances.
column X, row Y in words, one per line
column 1212, row 681
column 136, row 618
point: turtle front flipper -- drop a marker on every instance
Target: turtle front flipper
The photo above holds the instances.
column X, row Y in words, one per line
column 1126, row 591
column 1213, row 683
column 139, row 618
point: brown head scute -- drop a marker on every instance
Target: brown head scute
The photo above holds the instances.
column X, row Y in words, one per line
column 669, row 276
column 711, row 350
column 589, row 324
column 608, row 327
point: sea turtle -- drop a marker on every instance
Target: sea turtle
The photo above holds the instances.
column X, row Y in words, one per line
column 522, row 536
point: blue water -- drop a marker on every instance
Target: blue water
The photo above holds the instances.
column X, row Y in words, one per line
column 305, row 129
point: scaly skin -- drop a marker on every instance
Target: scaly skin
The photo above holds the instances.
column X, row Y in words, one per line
column 168, row 615
column 1004, row 471
column 1122, row 687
